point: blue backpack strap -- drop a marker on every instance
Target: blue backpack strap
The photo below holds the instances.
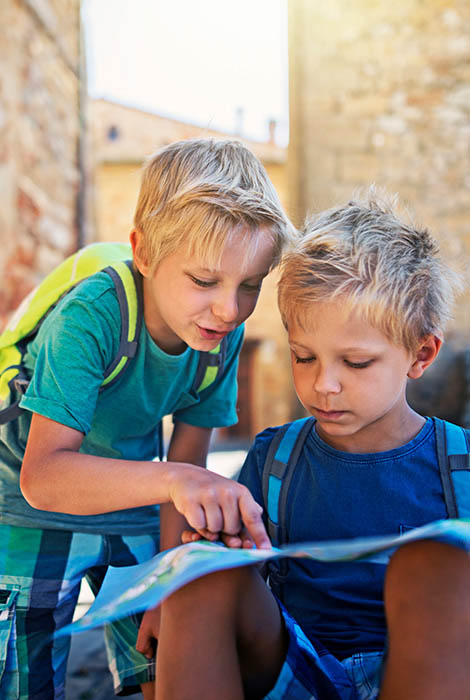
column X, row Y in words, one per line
column 210, row 366
column 453, row 452
column 278, row 469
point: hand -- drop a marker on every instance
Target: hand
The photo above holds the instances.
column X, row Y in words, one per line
column 148, row 632
column 214, row 505
column 240, row 541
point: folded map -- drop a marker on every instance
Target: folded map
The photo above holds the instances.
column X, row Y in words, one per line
column 131, row 589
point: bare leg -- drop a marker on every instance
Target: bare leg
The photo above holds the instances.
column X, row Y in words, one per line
column 427, row 603
column 221, row 636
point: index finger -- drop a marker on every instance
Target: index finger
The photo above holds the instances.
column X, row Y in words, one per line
column 250, row 513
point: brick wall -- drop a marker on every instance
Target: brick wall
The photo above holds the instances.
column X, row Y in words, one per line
column 40, row 139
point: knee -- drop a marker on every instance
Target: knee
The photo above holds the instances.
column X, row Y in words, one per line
column 425, row 575
column 430, row 560
column 216, row 591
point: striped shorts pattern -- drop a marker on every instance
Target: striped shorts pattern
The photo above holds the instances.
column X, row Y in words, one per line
column 40, row 577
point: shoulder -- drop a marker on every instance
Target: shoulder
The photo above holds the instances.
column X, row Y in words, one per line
column 97, row 288
column 89, row 310
column 253, row 468
column 451, row 438
column 94, row 297
column 263, row 441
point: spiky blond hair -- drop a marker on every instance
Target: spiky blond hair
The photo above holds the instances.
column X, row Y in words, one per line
column 378, row 265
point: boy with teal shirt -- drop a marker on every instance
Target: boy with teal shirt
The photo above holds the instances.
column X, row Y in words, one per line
column 364, row 297
column 79, row 484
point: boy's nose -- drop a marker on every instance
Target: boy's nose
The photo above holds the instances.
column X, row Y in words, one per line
column 326, row 382
column 226, row 308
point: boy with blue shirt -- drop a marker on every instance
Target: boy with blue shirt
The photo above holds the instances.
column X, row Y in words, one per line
column 364, row 297
column 79, row 486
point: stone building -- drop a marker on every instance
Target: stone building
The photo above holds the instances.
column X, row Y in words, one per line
column 122, row 138
column 380, row 92
column 41, row 135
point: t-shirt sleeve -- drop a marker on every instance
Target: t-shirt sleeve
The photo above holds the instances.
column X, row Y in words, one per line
column 217, row 407
column 70, row 354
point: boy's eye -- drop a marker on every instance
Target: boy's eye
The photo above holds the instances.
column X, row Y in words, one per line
column 358, row 365
column 252, row 287
column 302, row 360
column 202, row 283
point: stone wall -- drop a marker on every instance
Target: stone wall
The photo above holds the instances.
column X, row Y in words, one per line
column 40, row 181
column 380, row 92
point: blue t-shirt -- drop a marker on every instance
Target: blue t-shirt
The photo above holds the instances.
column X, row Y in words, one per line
column 336, row 495
column 67, row 361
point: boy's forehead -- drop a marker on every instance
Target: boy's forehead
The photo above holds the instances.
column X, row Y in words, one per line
column 335, row 320
column 244, row 248
column 307, row 318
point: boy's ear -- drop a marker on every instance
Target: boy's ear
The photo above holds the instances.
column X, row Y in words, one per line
column 425, row 355
column 138, row 254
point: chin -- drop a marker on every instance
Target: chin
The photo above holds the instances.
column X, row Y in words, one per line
column 202, row 345
column 336, row 429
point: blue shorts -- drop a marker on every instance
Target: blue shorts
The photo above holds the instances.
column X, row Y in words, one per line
column 40, row 576
column 310, row 672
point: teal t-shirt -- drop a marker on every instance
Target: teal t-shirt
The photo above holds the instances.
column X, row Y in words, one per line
column 67, row 361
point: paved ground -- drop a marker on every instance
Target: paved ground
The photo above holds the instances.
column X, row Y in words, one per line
column 87, row 675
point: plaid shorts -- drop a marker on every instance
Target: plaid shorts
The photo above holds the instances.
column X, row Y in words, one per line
column 40, row 577
column 310, row 672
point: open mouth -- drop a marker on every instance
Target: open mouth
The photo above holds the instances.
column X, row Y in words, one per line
column 212, row 334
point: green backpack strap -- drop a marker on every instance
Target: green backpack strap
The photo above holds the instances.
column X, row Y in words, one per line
column 34, row 309
column 453, row 454
column 210, row 366
column 278, row 469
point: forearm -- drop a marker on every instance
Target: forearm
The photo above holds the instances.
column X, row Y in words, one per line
column 56, row 476
column 80, row 484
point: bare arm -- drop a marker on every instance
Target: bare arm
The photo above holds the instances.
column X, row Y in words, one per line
column 55, row 476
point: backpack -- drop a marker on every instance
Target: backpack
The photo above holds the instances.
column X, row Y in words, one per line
column 453, row 451
column 116, row 260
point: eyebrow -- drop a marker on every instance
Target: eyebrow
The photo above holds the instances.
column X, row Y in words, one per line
column 299, row 345
column 346, row 350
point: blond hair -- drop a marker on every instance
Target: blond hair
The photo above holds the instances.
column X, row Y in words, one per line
column 376, row 264
column 201, row 192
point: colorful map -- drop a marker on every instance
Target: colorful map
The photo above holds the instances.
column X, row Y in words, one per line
column 132, row 589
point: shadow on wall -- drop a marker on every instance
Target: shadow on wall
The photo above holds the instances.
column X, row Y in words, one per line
column 444, row 389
